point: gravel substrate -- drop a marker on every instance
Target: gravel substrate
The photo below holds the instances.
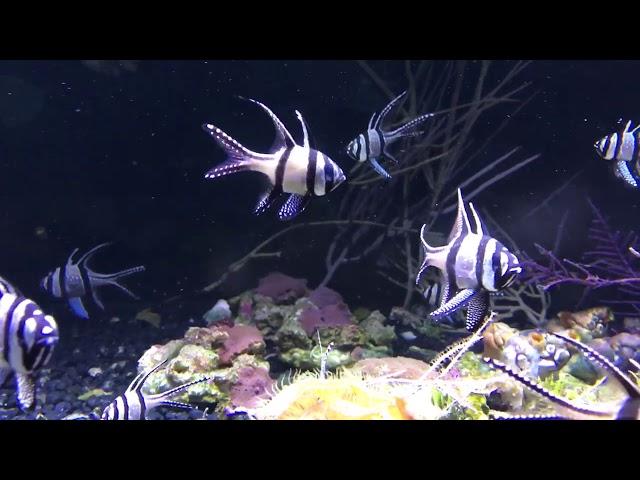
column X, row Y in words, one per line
column 110, row 349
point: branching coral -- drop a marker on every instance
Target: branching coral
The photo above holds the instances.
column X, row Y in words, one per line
column 376, row 216
column 609, row 263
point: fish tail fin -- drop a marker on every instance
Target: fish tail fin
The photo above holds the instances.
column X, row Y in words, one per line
column 239, row 158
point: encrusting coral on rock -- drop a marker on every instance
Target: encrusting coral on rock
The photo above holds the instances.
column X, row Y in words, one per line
column 255, row 342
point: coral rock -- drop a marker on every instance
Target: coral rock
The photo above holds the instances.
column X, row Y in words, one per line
column 252, row 385
column 395, row 367
column 323, row 297
column 313, row 318
column 220, row 312
column 281, row 288
column 242, row 339
column 376, row 331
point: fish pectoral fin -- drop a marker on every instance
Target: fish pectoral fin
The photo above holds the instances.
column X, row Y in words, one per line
column 267, row 200
column 294, row 205
column 477, row 310
column 378, row 168
column 622, row 171
column 458, row 301
column 26, row 391
column 78, row 307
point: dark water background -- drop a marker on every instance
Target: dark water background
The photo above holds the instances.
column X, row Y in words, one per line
column 94, row 156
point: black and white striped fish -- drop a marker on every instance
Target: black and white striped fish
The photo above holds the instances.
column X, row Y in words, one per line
column 27, row 340
column 623, row 147
column 78, row 284
column 133, row 404
column 374, row 144
column 433, row 294
column 629, row 409
column 300, row 171
column 473, row 265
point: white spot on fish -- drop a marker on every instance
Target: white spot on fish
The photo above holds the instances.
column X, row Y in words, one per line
column 47, row 330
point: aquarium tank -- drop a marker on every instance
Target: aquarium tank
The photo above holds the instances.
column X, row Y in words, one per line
column 319, row 239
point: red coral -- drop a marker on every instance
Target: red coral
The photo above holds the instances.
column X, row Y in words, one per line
column 242, row 339
column 253, row 384
column 312, row 318
column 280, row 287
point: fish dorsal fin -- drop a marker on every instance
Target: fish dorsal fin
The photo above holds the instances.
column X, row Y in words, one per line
column 283, row 137
column 138, row 382
column 85, row 258
column 70, row 259
column 461, row 226
column 305, row 131
column 627, row 126
column 476, row 218
column 387, row 109
column 371, row 121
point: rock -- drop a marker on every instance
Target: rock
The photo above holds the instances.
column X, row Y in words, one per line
column 281, row 288
column 405, row 318
column 149, row 317
column 242, row 339
column 583, row 369
column 220, row 312
column 361, row 313
column 251, row 386
column 395, row 367
column 158, row 353
column 313, row 318
column 587, row 324
column 209, row 337
column 310, row 359
column 360, row 353
column 421, row 353
column 291, row 335
column 376, row 331
column 95, row 371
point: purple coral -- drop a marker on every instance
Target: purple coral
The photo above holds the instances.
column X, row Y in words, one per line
column 608, row 263
column 324, row 296
column 253, row 385
column 242, row 339
column 313, row 318
column 280, row 287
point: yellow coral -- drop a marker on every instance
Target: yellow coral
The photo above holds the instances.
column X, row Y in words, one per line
column 347, row 396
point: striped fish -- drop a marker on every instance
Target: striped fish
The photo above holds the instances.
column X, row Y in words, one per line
column 374, row 144
column 433, row 294
column 300, row 171
column 473, row 265
column 78, row 284
column 133, row 404
column 623, row 147
column 27, row 340
column 629, row 409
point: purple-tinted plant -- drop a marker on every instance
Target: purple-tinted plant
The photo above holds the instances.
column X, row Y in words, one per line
column 611, row 262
